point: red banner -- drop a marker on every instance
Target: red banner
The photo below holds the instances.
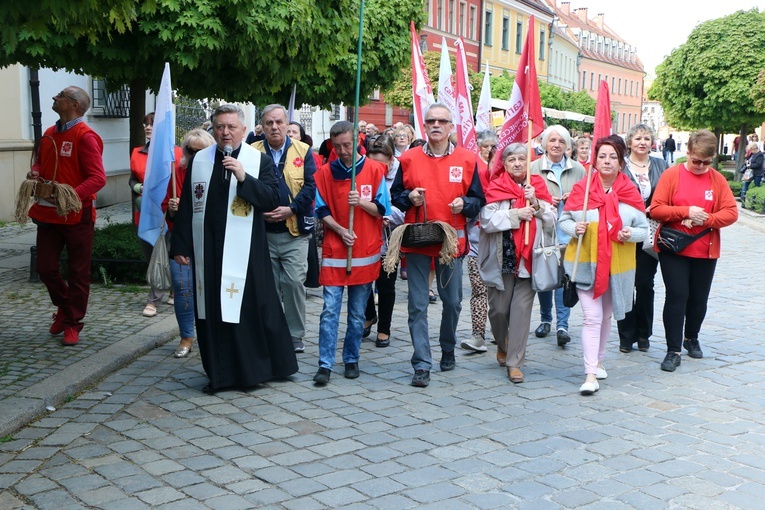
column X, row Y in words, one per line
column 602, row 114
column 525, row 104
column 422, row 93
column 464, row 105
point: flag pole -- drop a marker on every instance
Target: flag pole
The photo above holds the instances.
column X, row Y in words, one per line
column 355, row 132
column 529, row 149
column 172, row 174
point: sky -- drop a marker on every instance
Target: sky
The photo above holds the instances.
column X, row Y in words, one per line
column 655, row 27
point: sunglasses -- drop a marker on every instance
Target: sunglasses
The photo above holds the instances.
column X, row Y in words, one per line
column 701, row 162
column 431, row 122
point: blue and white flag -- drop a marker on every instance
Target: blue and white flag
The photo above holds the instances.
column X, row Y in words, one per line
column 159, row 164
column 291, row 109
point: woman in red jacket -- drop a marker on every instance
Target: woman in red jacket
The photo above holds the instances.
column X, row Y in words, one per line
column 695, row 199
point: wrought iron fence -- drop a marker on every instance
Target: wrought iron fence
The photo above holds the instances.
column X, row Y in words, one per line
column 114, row 104
column 190, row 114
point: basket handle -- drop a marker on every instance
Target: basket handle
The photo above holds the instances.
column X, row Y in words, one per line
column 55, row 153
column 424, row 210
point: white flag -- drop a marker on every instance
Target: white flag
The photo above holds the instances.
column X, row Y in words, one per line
column 446, row 94
column 483, row 113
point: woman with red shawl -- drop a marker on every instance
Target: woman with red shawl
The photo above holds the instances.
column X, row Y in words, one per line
column 504, row 256
column 605, row 277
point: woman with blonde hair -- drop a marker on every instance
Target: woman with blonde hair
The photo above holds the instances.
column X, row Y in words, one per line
column 183, row 282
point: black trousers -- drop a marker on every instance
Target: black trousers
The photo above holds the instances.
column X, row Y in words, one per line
column 386, row 298
column 687, row 281
column 638, row 322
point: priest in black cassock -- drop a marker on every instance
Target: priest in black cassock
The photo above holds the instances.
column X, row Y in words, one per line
column 242, row 333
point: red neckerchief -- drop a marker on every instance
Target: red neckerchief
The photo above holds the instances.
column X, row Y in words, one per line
column 503, row 187
column 609, row 222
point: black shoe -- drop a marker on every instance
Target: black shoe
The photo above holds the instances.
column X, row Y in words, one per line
column 693, row 348
column 322, row 376
column 432, row 297
column 543, row 330
column 208, row 389
column 382, row 342
column 368, row 329
column 351, row 370
column 421, row 378
column 625, row 345
column 563, row 337
column 447, row 361
column 643, row 344
column 671, row 362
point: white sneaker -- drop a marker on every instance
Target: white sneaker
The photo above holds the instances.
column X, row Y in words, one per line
column 588, row 388
column 476, row 344
column 601, row 373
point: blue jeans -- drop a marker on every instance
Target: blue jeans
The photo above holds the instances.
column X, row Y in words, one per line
column 562, row 312
column 330, row 322
column 449, row 283
column 183, row 288
column 757, row 180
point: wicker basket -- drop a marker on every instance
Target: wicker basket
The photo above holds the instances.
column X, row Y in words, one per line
column 44, row 189
column 418, row 235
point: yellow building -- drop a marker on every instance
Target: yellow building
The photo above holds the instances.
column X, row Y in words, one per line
column 505, row 27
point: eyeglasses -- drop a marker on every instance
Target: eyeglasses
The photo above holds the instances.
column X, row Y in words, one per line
column 701, row 162
column 431, row 122
column 402, row 135
column 62, row 94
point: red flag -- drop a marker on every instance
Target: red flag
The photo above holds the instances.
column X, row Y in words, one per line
column 525, row 104
column 422, row 93
column 602, row 113
column 464, row 105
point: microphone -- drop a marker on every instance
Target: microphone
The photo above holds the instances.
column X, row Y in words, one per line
column 227, row 150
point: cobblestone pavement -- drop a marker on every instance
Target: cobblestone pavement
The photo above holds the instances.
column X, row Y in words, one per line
column 146, row 437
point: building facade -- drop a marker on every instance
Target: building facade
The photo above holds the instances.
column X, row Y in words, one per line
column 606, row 56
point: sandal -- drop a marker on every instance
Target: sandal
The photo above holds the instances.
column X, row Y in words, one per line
column 515, row 375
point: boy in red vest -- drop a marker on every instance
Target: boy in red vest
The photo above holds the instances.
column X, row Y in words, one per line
column 71, row 153
column 334, row 198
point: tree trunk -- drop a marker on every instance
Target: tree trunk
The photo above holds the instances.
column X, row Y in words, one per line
column 137, row 112
column 716, row 160
column 741, row 153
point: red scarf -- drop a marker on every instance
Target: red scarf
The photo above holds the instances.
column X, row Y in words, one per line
column 609, row 221
column 503, row 187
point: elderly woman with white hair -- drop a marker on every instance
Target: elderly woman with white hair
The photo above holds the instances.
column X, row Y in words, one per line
column 560, row 173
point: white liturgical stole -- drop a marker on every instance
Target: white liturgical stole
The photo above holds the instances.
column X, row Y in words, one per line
column 238, row 235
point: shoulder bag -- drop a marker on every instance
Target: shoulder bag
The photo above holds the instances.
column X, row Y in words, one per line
column 675, row 241
column 158, row 273
column 546, row 269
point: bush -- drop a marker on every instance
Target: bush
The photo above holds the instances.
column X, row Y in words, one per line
column 724, row 157
column 755, row 199
column 735, row 187
column 681, row 159
column 727, row 174
column 117, row 255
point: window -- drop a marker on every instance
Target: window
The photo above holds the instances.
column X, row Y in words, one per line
column 599, row 78
column 471, row 23
column 505, row 33
column 110, row 104
column 613, row 85
column 584, row 80
column 542, row 44
column 624, row 120
column 461, row 22
column 620, row 86
column 632, row 87
column 451, row 16
column 440, row 14
column 519, row 35
column 592, row 81
column 487, row 29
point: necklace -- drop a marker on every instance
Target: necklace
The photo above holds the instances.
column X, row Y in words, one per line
column 638, row 164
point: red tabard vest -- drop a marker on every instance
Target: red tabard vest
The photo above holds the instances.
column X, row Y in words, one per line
column 365, row 262
column 68, row 171
column 444, row 179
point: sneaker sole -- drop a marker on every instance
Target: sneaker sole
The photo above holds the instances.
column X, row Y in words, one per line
column 469, row 347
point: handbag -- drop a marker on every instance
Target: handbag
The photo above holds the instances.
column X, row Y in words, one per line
column 312, row 274
column 748, row 175
column 570, row 297
column 418, row 235
column 546, row 269
column 158, row 273
column 675, row 241
column 648, row 244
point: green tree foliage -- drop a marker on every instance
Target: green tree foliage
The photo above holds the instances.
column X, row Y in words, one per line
column 758, row 91
column 399, row 93
column 240, row 50
column 707, row 81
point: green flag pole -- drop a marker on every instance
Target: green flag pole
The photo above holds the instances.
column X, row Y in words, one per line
column 355, row 131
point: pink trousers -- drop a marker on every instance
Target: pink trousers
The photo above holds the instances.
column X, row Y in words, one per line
column 596, row 327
